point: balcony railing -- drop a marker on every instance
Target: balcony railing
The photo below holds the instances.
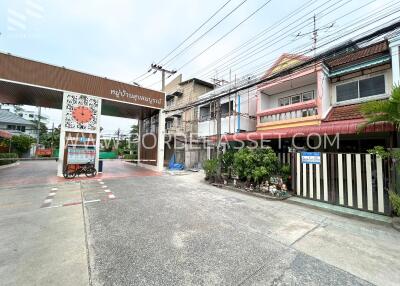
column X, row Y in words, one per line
column 288, row 112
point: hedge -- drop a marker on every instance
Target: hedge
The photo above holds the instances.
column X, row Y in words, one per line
column 11, row 156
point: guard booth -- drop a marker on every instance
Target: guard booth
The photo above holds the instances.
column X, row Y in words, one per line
column 83, row 98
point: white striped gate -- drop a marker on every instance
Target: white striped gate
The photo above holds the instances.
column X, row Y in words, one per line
column 357, row 181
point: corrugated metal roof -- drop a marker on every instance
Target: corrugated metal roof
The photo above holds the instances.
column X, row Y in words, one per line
column 9, row 117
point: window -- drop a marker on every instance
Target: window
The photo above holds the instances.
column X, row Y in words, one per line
column 296, row 98
column 30, row 115
column 284, row 101
column 308, row 95
column 347, row 91
column 362, row 88
column 170, row 102
column 169, row 124
column 226, row 108
column 372, row 86
column 11, row 127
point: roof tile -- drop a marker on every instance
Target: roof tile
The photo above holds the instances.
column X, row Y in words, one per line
column 345, row 112
column 358, row 55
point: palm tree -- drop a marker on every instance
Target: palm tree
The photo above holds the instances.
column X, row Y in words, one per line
column 384, row 110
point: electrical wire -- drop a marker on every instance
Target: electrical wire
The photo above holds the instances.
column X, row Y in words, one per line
column 226, row 34
column 206, row 32
column 194, row 32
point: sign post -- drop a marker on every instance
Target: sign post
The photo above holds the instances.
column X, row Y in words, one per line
column 311, row 158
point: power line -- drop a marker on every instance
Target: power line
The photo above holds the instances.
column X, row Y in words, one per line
column 322, row 56
column 270, row 52
column 267, row 29
column 284, row 35
column 206, row 32
column 194, row 32
column 226, row 34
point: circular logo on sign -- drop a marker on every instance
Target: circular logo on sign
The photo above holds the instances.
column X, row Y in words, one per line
column 82, row 114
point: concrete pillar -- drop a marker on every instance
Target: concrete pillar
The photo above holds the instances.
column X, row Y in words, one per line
column 98, row 135
column 63, row 131
column 139, row 144
column 394, row 51
column 161, row 140
column 60, row 164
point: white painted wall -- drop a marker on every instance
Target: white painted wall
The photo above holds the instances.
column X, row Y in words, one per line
column 325, row 97
column 388, row 88
column 394, row 51
column 272, row 101
column 248, row 107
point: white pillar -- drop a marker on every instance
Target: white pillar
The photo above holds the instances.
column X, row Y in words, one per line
column 98, row 135
column 139, row 143
column 160, row 141
column 60, row 164
column 394, row 51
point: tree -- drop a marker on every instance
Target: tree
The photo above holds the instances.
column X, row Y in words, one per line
column 21, row 144
column 385, row 111
column 134, row 132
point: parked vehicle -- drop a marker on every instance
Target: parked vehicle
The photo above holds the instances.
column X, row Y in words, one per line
column 72, row 170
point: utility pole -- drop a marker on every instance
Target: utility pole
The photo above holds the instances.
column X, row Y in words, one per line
column 315, row 35
column 218, row 119
column 163, row 72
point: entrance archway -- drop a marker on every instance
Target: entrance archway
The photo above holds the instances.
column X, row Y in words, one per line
column 83, row 98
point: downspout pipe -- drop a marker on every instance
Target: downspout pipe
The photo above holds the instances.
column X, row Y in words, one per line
column 238, row 119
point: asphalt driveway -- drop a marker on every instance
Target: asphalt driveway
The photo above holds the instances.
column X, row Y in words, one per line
column 176, row 230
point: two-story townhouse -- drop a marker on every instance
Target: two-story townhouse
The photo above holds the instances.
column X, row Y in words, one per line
column 238, row 111
column 181, row 126
column 303, row 106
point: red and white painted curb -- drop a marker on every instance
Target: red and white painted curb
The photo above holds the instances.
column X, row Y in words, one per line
column 49, row 199
column 110, row 194
column 47, row 203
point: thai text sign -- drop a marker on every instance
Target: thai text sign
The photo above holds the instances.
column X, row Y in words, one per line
column 311, row 157
column 81, row 155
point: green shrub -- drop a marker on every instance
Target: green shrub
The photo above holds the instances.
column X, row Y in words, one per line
column 21, row 144
column 395, row 201
column 255, row 164
column 285, row 172
column 130, row 156
column 11, row 156
column 210, row 167
column 227, row 161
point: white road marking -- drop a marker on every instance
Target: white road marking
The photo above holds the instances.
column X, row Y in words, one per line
column 46, row 201
column 111, row 196
column 52, row 194
column 101, row 183
column 104, row 186
column 51, row 207
column 91, row 201
column 54, row 189
column 107, row 191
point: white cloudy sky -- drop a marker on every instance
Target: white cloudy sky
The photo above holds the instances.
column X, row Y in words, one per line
column 119, row 39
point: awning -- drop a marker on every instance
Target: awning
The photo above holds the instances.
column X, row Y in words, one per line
column 326, row 128
column 5, row 134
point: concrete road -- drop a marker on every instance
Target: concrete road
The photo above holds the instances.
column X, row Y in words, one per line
column 176, row 230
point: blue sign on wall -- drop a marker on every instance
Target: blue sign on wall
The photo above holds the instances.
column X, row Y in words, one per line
column 311, row 157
